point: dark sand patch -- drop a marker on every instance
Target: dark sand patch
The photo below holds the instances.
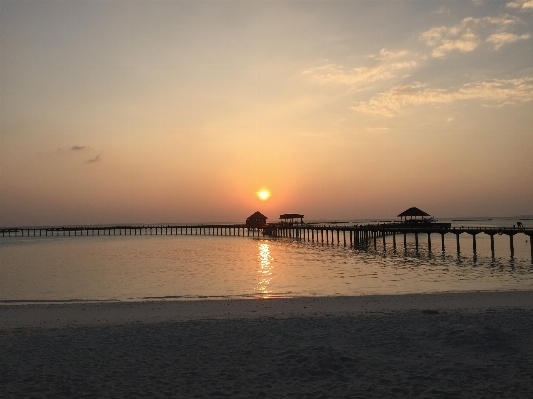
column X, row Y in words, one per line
column 406, row 354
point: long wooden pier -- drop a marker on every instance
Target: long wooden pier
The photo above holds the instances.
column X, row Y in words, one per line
column 358, row 236
column 216, row 229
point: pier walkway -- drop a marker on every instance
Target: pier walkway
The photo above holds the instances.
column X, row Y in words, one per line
column 358, row 236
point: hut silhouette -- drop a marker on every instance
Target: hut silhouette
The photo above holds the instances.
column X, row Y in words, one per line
column 291, row 218
column 256, row 220
column 411, row 213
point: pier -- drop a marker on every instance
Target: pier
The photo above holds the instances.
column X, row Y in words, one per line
column 358, row 236
column 119, row 230
column 365, row 236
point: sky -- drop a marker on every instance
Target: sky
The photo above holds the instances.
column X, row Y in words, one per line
column 182, row 111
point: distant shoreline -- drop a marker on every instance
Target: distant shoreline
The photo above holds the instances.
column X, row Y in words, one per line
column 147, row 312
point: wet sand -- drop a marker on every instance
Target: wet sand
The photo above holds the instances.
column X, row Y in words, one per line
column 443, row 345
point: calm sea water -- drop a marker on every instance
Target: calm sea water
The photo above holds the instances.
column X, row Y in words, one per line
column 133, row 268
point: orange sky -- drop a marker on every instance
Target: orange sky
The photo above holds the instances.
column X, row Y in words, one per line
column 168, row 112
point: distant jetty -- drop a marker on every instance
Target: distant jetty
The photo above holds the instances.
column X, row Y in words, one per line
column 357, row 236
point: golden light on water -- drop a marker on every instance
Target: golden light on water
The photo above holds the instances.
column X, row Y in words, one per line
column 263, row 195
column 265, row 270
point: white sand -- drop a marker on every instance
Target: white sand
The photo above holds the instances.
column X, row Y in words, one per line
column 120, row 313
column 477, row 345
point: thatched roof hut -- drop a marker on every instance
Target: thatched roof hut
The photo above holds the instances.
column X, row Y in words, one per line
column 256, row 220
column 413, row 212
column 291, row 218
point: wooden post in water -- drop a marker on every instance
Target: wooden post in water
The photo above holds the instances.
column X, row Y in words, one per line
column 442, row 241
column 416, row 241
column 394, row 240
column 404, row 240
column 429, row 242
column 511, row 236
column 384, row 242
column 458, row 243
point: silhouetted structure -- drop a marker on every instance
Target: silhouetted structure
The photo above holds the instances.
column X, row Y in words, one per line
column 290, row 218
column 413, row 212
column 359, row 236
column 256, row 220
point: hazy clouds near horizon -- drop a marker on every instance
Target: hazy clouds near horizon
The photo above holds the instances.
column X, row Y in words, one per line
column 179, row 111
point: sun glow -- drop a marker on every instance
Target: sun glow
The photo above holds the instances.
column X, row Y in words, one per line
column 263, row 195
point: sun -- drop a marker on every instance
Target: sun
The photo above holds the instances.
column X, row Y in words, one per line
column 263, row 195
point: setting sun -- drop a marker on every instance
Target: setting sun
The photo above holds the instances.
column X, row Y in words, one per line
column 263, row 194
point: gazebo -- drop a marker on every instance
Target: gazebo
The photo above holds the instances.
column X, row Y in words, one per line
column 256, row 220
column 290, row 217
column 411, row 213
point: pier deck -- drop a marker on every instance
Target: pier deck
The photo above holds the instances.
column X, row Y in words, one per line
column 360, row 236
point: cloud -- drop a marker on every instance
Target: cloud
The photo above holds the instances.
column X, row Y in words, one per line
column 521, row 4
column 499, row 39
column 467, row 34
column 95, row 159
column 385, row 66
column 377, row 129
column 388, row 55
column 78, row 147
column 497, row 92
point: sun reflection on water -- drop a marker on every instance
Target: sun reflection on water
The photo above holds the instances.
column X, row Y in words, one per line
column 265, row 270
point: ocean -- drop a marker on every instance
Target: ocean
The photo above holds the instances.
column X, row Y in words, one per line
column 140, row 268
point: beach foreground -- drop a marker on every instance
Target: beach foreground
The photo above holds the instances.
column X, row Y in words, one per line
column 441, row 345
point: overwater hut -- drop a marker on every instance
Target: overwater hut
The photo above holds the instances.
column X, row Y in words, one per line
column 256, row 220
column 411, row 215
column 291, row 218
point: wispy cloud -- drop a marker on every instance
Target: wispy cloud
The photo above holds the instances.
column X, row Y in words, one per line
column 521, row 4
column 78, row 147
column 385, row 65
column 497, row 92
column 499, row 39
column 468, row 34
column 377, row 129
column 95, row 159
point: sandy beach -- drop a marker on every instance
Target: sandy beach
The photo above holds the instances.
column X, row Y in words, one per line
column 426, row 345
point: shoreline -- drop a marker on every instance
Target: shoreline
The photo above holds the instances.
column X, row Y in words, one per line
column 93, row 314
